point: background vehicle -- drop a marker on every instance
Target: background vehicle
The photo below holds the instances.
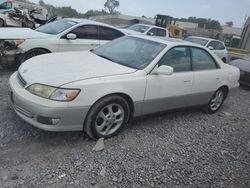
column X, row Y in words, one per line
column 147, row 30
column 244, row 66
column 100, row 90
column 58, row 36
column 22, row 14
column 216, row 46
column 169, row 22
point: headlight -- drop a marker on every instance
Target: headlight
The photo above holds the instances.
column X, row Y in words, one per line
column 19, row 42
column 12, row 43
column 53, row 93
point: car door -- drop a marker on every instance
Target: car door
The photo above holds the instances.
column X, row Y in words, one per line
column 207, row 76
column 161, row 33
column 152, row 32
column 168, row 92
column 107, row 34
column 87, row 37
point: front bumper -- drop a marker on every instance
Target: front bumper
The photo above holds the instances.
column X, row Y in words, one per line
column 31, row 108
column 9, row 56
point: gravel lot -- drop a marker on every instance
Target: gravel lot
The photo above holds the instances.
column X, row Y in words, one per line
column 186, row 148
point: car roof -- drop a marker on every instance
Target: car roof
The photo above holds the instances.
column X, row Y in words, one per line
column 154, row 26
column 205, row 38
column 86, row 21
column 168, row 41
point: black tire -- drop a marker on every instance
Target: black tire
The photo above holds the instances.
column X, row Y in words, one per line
column 209, row 107
column 33, row 53
column 93, row 115
column 1, row 23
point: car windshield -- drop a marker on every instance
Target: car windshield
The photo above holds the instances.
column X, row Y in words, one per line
column 199, row 41
column 130, row 51
column 139, row 28
column 56, row 27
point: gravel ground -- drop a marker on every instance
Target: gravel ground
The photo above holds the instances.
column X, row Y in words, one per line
column 186, row 148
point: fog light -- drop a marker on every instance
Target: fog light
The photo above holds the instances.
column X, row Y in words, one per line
column 48, row 120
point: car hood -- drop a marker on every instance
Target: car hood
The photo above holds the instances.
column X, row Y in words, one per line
column 21, row 33
column 242, row 64
column 61, row 68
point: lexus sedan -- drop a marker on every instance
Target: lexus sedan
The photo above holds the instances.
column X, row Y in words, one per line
column 244, row 66
column 216, row 46
column 100, row 90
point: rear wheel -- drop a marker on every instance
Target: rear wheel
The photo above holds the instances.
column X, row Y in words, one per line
column 216, row 102
column 33, row 53
column 1, row 23
column 107, row 117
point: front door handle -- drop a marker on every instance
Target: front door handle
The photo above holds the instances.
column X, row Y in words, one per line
column 187, row 81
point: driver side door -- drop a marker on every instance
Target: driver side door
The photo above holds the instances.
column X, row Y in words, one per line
column 165, row 92
column 87, row 38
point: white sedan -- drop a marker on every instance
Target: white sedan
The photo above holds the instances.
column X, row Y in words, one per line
column 62, row 35
column 216, row 46
column 146, row 29
column 100, row 90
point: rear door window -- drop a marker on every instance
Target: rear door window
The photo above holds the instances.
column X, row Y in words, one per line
column 109, row 33
column 202, row 60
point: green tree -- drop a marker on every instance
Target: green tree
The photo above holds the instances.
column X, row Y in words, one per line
column 111, row 5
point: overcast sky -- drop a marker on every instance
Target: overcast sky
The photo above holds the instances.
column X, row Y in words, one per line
column 222, row 10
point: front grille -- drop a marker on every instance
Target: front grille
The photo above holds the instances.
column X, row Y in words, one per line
column 21, row 80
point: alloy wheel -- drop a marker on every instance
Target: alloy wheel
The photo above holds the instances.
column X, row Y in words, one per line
column 217, row 100
column 109, row 119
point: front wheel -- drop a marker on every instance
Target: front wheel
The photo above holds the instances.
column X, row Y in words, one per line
column 216, row 102
column 107, row 117
column 33, row 53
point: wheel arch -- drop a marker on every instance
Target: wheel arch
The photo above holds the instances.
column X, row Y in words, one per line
column 39, row 48
column 126, row 97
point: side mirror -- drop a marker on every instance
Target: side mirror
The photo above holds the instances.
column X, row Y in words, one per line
column 210, row 48
column 71, row 36
column 150, row 33
column 164, row 70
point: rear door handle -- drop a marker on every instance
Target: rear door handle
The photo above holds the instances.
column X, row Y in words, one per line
column 187, row 81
